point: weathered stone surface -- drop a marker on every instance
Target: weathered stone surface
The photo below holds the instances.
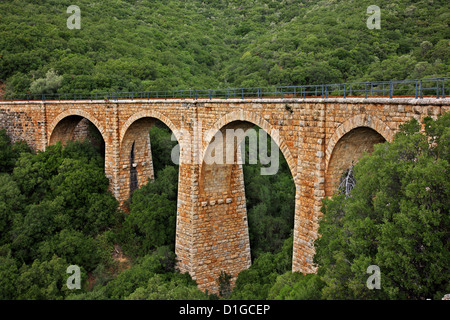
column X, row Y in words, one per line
column 318, row 138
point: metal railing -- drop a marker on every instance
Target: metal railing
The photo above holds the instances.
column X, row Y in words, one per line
column 417, row 88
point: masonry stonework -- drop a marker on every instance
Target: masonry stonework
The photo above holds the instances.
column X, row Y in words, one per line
column 136, row 141
column 318, row 138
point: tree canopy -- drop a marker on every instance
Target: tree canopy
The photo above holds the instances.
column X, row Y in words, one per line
column 166, row 45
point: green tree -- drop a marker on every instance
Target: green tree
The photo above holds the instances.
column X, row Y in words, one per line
column 256, row 282
column 43, row 280
column 11, row 203
column 152, row 218
column 37, row 224
column 10, row 152
column 45, row 210
column 17, row 83
column 144, row 268
column 74, row 247
column 176, row 287
column 49, row 84
column 162, row 146
column 33, row 172
column 296, row 286
column 270, row 204
column 83, row 189
column 9, row 273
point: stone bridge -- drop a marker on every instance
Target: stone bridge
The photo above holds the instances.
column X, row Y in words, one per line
column 319, row 138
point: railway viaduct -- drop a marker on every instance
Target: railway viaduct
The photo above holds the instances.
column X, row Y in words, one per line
column 319, row 138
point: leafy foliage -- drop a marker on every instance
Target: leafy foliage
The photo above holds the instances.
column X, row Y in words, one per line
column 162, row 145
column 270, row 201
column 54, row 205
column 396, row 218
column 256, row 282
column 10, row 152
column 152, row 217
column 164, row 45
column 49, row 84
column 150, row 277
column 296, row 286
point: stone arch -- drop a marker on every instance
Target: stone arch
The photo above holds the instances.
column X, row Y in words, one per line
column 222, row 210
column 149, row 114
column 69, row 113
column 361, row 120
column 350, row 141
column 134, row 136
column 255, row 119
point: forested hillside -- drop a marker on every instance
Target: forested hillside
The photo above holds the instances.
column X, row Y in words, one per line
column 161, row 45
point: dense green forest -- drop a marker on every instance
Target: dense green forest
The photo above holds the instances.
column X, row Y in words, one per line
column 140, row 45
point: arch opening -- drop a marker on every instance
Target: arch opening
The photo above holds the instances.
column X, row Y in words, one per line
column 270, row 201
column 145, row 150
column 78, row 128
column 346, row 153
column 135, row 163
column 243, row 208
column 148, row 180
